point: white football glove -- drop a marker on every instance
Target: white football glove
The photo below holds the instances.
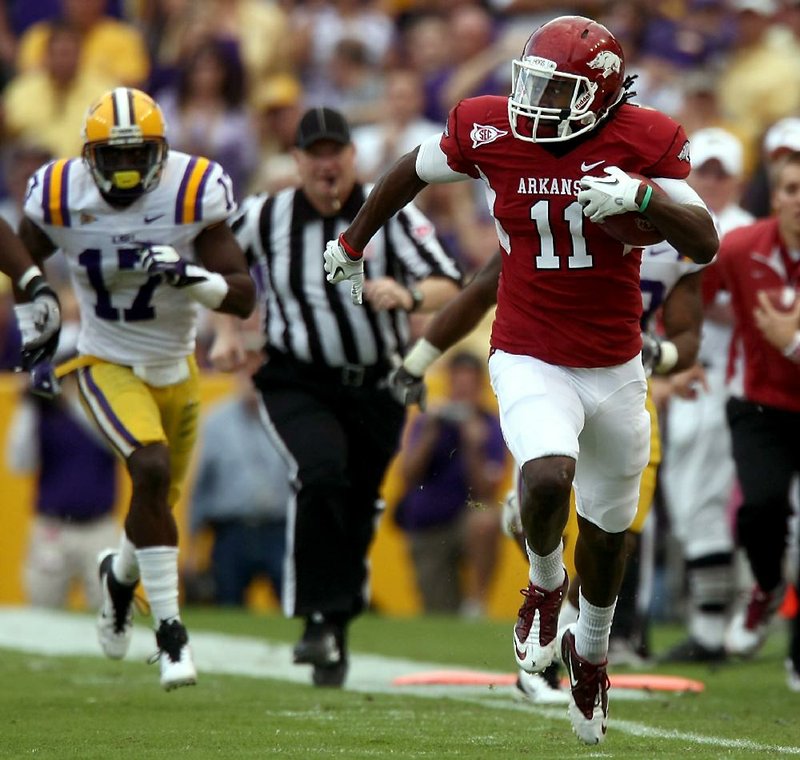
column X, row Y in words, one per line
column 602, row 197
column 39, row 323
column 166, row 261
column 340, row 266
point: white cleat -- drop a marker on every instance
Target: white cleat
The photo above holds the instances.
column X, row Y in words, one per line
column 535, row 634
column 541, row 688
column 588, row 704
column 749, row 627
column 174, row 656
column 115, row 619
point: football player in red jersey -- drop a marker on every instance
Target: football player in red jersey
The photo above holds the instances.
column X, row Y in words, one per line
column 565, row 348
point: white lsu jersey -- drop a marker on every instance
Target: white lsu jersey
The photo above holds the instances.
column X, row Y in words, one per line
column 662, row 266
column 127, row 315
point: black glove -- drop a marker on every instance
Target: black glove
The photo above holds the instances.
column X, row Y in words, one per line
column 43, row 381
column 407, row 389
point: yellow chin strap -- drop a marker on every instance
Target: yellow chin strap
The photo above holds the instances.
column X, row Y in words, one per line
column 126, row 180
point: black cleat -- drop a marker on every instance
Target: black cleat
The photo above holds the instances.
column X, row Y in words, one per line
column 323, row 646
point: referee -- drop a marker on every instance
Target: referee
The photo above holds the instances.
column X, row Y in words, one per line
column 324, row 381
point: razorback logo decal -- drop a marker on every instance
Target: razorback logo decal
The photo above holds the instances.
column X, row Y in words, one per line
column 609, row 62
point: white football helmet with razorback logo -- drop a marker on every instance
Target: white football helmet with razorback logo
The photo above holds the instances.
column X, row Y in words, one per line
column 570, row 74
column 125, row 144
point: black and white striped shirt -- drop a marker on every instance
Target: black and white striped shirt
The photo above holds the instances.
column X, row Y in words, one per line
column 315, row 321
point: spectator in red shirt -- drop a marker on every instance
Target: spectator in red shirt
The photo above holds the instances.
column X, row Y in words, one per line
column 759, row 265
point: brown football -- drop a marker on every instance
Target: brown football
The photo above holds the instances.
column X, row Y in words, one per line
column 633, row 228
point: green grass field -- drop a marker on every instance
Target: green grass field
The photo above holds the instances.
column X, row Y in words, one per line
column 88, row 707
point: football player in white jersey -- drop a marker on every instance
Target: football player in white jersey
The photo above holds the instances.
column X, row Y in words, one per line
column 143, row 230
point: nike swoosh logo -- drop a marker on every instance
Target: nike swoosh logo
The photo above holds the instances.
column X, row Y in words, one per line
column 573, row 681
column 588, row 167
column 337, row 272
column 150, row 219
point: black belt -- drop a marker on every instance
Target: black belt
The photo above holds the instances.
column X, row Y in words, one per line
column 357, row 375
column 348, row 375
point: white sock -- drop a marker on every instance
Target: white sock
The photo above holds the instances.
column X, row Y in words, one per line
column 592, row 630
column 546, row 571
column 124, row 565
column 159, row 568
column 568, row 614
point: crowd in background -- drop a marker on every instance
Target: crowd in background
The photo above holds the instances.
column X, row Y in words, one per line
column 234, row 76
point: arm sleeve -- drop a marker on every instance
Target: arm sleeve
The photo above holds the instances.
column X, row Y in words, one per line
column 680, row 191
column 432, row 166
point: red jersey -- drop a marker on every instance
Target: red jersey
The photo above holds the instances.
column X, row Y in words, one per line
column 568, row 293
column 751, row 259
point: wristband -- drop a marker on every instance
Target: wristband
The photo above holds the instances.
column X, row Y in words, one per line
column 792, row 351
column 422, row 354
column 668, row 357
column 31, row 273
column 211, row 290
column 648, row 192
column 350, row 251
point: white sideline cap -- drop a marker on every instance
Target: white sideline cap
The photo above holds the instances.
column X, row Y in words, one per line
column 717, row 143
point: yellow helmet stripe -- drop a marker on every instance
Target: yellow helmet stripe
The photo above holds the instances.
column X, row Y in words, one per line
column 188, row 205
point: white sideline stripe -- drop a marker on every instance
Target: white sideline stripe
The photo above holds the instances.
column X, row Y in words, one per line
column 51, row 632
column 648, row 732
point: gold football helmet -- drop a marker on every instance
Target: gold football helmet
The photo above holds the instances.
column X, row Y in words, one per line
column 124, row 144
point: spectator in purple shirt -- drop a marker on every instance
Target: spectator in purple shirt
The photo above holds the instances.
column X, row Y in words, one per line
column 453, row 464
column 76, row 480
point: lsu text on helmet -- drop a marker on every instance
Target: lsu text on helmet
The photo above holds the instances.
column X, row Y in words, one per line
column 570, row 74
column 124, row 144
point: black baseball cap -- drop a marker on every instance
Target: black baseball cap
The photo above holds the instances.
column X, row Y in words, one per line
column 322, row 124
